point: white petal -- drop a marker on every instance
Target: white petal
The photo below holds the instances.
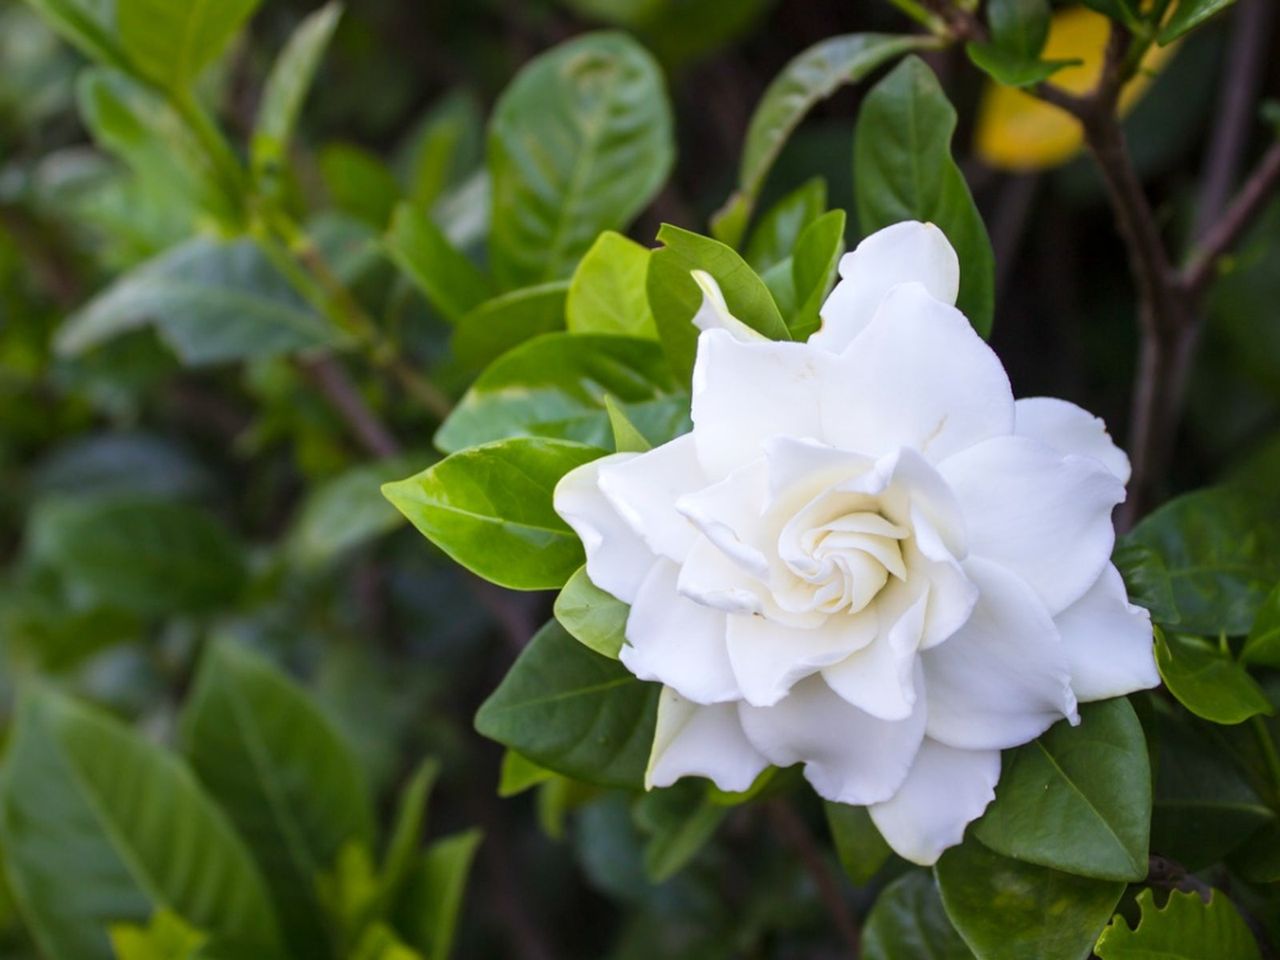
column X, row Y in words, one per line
column 644, row 489
column 617, row 559
column 1107, row 641
column 706, row 741
column 1045, row 516
column 879, row 677
column 917, row 376
column 951, row 595
column 946, row 790
column 849, row 756
column 901, row 253
column 728, row 514
column 745, row 393
column 677, row 642
column 1070, row 429
column 714, row 313
column 1002, row 679
column 769, row 657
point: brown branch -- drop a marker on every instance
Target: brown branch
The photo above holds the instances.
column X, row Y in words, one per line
column 344, row 397
column 796, row 834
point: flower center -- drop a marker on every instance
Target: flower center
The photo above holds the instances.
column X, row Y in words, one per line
column 846, row 560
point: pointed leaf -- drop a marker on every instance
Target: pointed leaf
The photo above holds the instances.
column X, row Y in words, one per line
column 908, row 922
column 593, row 617
column 450, row 282
column 171, row 43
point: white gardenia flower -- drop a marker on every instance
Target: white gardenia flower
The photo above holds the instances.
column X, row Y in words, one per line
column 866, row 557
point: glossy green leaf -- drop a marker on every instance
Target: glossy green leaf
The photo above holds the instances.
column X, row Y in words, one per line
column 283, row 775
column 573, row 711
column 627, row 437
column 212, row 302
column 87, row 24
column 861, row 849
column 774, row 237
column 170, row 43
column 450, row 282
column 1009, row 68
column 680, row 820
column 1186, row 928
column 490, row 509
column 903, row 170
column 508, row 320
column 165, row 937
column 674, row 296
column 810, row 77
column 1147, row 580
column 84, row 797
column 1189, row 15
column 556, row 386
column 1263, row 643
column 908, row 923
column 147, row 556
column 1018, row 29
column 1077, row 798
column 432, row 900
column 813, row 270
column 1207, row 680
column 519, row 774
column 606, row 294
column 1220, row 552
column 1039, row 912
column 593, row 617
column 579, row 142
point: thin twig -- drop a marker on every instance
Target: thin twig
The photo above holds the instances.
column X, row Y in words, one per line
column 797, row 836
column 344, row 397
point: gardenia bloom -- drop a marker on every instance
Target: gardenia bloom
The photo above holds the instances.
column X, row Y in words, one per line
column 866, row 557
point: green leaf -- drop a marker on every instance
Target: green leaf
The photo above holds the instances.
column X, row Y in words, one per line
column 87, row 24
column 861, row 849
column 1147, row 580
column 490, row 509
column 1011, row 69
column 1220, row 550
column 432, row 900
column 508, row 320
column 165, row 937
column 1189, row 15
column 450, row 282
column 1039, row 913
column 1206, row 680
column 1019, row 29
column 360, row 183
column 147, row 556
column 445, row 146
column 570, row 710
column 627, row 437
column 170, row 43
column 212, row 302
column 1186, row 929
column 813, row 270
column 407, row 830
column 674, row 296
column 286, row 90
column 380, row 942
column 556, row 386
column 903, row 170
column 1077, row 798
column 908, row 923
column 283, row 775
column 592, row 617
column 810, row 77
column 774, row 238
column 1263, row 644
column 680, row 821
column 100, row 825
column 579, row 142
column 519, row 774
column 606, row 294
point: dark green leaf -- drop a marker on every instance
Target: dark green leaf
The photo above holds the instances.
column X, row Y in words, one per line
column 432, row 900
column 606, row 294
column 680, row 820
column 407, row 830
column 359, row 183
column 775, row 236
column 450, row 282
column 861, row 849
column 1206, row 680
column 490, row 509
column 813, row 270
column 1189, row 15
column 1011, row 69
column 1263, row 643
column 506, row 321
column 1019, row 29
column 1147, row 580
column 903, row 170
column 908, row 923
column 579, row 142
column 1186, row 929
column 591, row 616
column 573, row 711
column 171, row 43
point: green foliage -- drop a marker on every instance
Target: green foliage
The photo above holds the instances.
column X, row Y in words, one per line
column 432, row 900
column 813, row 270
column 908, row 921
column 1186, row 928
column 594, row 618
column 1019, row 29
column 165, row 937
column 449, row 281
column 1190, row 14
column 607, row 292
column 171, row 43
column 495, row 326
column 1263, row 643
column 1206, row 680
column 861, row 849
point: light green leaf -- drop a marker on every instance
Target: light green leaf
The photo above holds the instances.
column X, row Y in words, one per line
column 87, row 24
column 861, row 849
column 85, row 797
column 1206, row 680
column 450, row 282
column 593, row 617
column 1056, row 916
column 1189, row 15
column 1077, row 798
column 680, row 820
column 380, row 942
column 775, row 236
column 606, row 294
column 579, row 143
column 165, row 937
column 283, row 775
column 674, row 296
column 1263, row 643
column 519, row 774
column 573, row 711
column 903, row 170
column 490, row 509
column 407, row 830
column 170, row 43
column 360, row 183
column 908, row 923
column 432, row 900
column 557, row 385
column 1186, row 929
column 508, row 320
column 813, row 270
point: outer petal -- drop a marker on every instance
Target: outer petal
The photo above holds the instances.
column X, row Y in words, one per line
column 745, row 393
column 707, row 741
column 902, row 253
column 1070, row 429
column 849, row 755
column 769, row 657
column 643, row 490
column 917, row 376
column 1002, row 679
column 1045, row 516
column 617, row 559
column 1107, row 641
column 678, row 642
column 880, row 677
column 729, row 514
column 946, row 790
